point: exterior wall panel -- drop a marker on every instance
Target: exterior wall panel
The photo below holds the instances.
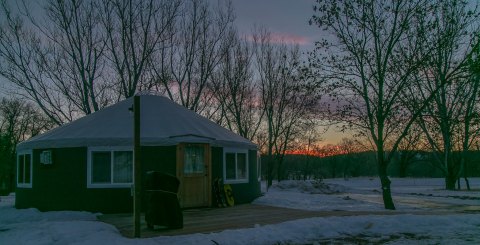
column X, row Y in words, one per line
column 63, row 184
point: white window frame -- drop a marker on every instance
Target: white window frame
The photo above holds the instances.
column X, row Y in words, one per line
column 25, row 185
column 235, row 151
column 111, row 150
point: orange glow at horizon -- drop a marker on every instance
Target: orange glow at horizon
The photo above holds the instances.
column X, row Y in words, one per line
column 325, row 151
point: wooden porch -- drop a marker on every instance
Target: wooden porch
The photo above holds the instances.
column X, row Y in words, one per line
column 207, row 220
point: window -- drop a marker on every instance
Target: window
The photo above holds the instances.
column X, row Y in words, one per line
column 46, row 157
column 194, row 159
column 235, row 166
column 24, row 169
column 110, row 168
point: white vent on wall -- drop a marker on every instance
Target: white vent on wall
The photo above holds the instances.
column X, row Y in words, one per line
column 46, row 157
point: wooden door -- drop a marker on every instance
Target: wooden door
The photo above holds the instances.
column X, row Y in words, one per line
column 194, row 173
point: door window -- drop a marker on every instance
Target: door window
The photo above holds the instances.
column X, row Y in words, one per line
column 194, row 159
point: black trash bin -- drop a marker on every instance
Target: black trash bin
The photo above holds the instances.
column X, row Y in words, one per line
column 162, row 207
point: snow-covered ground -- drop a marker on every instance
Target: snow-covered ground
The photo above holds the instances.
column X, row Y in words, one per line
column 426, row 214
column 364, row 194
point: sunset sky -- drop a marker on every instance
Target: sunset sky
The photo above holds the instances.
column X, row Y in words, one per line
column 287, row 20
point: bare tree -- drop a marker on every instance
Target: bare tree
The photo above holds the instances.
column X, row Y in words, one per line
column 55, row 62
column 20, row 120
column 286, row 95
column 348, row 147
column 408, row 149
column 447, row 121
column 368, row 61
column 186, row 61
column 135, row 30
column 471, row 121
column 235, row 89
column 306, row 143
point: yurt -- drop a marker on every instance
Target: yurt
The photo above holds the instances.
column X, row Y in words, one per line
column 88, row 164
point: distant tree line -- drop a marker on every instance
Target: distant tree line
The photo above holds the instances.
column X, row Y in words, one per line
column 363, row 164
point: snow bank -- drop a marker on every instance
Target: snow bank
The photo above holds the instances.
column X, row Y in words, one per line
column 400, row 229
column 315, row 195
column 30, row 226
column 311, row 186
column 364, row 194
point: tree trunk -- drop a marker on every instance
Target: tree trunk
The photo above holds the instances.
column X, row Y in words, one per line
column 334, row 170
column 270, row 153
column 467, row 182
column 269, row 171
column 402, row 173
column 12, row 184
column 404, row 163
column 464, row 169
column 346, row 164
column 450, row 181
column 279, row 171
column 382, row 173
column 279, row 162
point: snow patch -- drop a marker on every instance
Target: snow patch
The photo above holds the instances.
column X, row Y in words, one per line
column 311, row 186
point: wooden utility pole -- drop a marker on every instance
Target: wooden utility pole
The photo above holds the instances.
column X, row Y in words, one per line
column 137, row 170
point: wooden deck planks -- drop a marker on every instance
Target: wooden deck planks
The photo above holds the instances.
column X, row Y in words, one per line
column 206, row 220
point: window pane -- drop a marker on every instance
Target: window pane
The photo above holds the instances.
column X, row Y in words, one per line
column 101, row 171
column 122, row 167
column 20, row 171
column 194, row 159
column 241, row 166
column 27, row 168
column 230, row 166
